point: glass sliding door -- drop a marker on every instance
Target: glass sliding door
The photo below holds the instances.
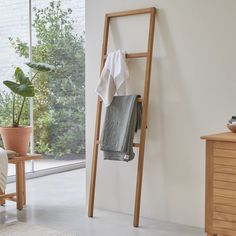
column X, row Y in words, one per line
column 58, row 109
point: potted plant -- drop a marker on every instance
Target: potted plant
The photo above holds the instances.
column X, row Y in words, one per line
column 17, row 137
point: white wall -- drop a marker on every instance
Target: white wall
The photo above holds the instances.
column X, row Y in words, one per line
column 192, row 93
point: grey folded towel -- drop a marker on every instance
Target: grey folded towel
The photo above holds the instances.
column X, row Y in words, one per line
column 122, row 119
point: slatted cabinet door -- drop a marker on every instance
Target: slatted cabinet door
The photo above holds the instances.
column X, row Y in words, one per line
column 220, row 184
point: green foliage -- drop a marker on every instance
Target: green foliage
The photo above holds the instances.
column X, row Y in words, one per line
column 24, row 87
column 41, row 67
column 59, row 106
column 20, row 47
column 6, row 101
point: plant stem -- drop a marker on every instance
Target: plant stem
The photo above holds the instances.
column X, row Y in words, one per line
column 34, row 76
column 13, row 111
column 19, row 116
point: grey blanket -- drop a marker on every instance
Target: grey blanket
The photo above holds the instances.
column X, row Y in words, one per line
column 122, row 119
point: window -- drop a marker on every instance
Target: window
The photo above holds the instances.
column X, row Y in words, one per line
column 55, row 36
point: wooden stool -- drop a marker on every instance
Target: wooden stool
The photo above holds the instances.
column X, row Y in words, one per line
column 20, row 195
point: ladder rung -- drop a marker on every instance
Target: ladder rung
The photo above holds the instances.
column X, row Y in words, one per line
column 139, row 99
column 134, row 55
column 134, row 144
column 132, row 12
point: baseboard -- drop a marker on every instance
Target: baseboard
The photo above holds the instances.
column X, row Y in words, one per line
column 49, row 171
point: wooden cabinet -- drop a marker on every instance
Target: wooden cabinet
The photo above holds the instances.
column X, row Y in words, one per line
column 220, row 207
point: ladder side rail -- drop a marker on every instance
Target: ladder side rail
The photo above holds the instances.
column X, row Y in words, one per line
column 144, row 119
column 97, row 124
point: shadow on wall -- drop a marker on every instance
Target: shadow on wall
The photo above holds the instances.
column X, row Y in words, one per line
column 176, row 131
column 176, row 114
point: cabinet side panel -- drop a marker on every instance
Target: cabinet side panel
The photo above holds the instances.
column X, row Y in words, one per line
column 209, row 187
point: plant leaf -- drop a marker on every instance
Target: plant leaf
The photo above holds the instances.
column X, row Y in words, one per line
column 20, row 76
column 24, row 90
column 43, row 67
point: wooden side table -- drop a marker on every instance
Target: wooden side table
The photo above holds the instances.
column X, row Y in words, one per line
column 20, row 195
column 220, row 209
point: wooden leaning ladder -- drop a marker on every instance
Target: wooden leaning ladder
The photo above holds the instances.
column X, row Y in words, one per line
column 144, row 100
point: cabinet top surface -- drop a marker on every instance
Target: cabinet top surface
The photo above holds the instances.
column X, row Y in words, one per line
column 225, row 137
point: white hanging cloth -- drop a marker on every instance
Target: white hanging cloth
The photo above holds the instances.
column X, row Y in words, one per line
column 113, row 78
column 3, row 169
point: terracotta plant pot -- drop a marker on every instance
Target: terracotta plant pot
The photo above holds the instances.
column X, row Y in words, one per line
column 16, row 139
